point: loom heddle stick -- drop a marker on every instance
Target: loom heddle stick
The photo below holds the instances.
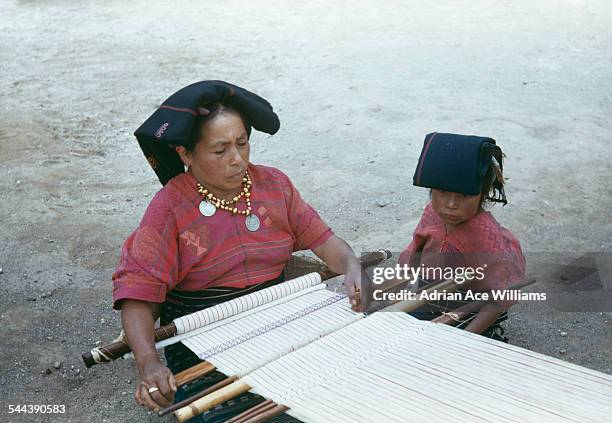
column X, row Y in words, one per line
column 247, row 414
column 268, row 414
column 199, row 395
column 211, row 400
column 193, row 373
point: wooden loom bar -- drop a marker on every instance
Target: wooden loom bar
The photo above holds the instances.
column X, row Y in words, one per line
column 211, row 400
column 268, row 414
column 199, row 395
column 259, row 413
column 193, row 373
column 253, row 411
column 117, row 349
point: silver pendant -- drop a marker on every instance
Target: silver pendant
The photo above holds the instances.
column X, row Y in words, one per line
column 252, row 222
column 207, row 208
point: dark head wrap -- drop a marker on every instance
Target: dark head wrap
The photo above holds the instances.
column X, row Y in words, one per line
column 173, row 123
column 461, row 163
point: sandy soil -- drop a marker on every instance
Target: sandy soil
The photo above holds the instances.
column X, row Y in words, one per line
column 356, row 87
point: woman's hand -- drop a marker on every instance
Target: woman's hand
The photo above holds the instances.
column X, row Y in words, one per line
column 157, row 386
column 352, row 284
column 341, row 259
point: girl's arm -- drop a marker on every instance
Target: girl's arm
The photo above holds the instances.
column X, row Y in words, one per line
column 485, row 318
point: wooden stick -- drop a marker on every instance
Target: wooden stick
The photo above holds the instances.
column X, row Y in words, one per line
column 453, row 317
column 193, row 373
column 199, row 395
column 262, row 406
column 279, row 409
column 117, row 349
column 211, row 400
column 377, row 305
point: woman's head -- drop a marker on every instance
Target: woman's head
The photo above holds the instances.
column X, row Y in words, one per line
column 177, row 122
column 217, row 153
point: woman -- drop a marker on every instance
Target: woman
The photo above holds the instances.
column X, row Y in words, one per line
column 223, row 228
column 464, row 173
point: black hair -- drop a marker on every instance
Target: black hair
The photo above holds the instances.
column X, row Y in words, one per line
column 493, row 183
column 208, row 112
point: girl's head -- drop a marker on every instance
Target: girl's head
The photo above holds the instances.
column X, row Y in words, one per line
column 463, row 172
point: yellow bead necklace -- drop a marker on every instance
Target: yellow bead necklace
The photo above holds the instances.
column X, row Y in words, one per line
column 227, row 205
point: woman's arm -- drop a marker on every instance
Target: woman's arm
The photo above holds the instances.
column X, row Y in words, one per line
column 340, row 258
column 138, row 323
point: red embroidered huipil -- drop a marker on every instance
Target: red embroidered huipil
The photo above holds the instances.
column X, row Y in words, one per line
column 479, row 242
column 176, row 247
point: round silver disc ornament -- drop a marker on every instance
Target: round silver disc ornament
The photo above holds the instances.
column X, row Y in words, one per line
column 207, row 208
column 252, row 222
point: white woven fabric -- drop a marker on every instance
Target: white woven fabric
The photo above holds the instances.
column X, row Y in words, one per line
column 246, row 302
column 248, row 342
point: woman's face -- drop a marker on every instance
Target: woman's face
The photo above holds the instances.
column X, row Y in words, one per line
column 220, row 158
column 453, row 207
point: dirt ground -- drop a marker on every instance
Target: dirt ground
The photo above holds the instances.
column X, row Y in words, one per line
column 356, row 88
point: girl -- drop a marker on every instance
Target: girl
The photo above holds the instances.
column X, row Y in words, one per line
column 464, row 173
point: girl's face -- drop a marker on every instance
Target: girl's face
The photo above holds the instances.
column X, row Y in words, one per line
column 454, row 208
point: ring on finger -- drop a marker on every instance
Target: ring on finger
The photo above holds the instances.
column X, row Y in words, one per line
column 153, row 389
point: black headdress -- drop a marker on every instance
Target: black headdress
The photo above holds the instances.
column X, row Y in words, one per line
column 173, row 123
column 461, row 163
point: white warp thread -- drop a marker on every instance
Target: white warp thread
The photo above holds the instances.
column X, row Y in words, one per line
column 246, row 302
column 249, row 342
column 269, row 327
column 390, row 367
